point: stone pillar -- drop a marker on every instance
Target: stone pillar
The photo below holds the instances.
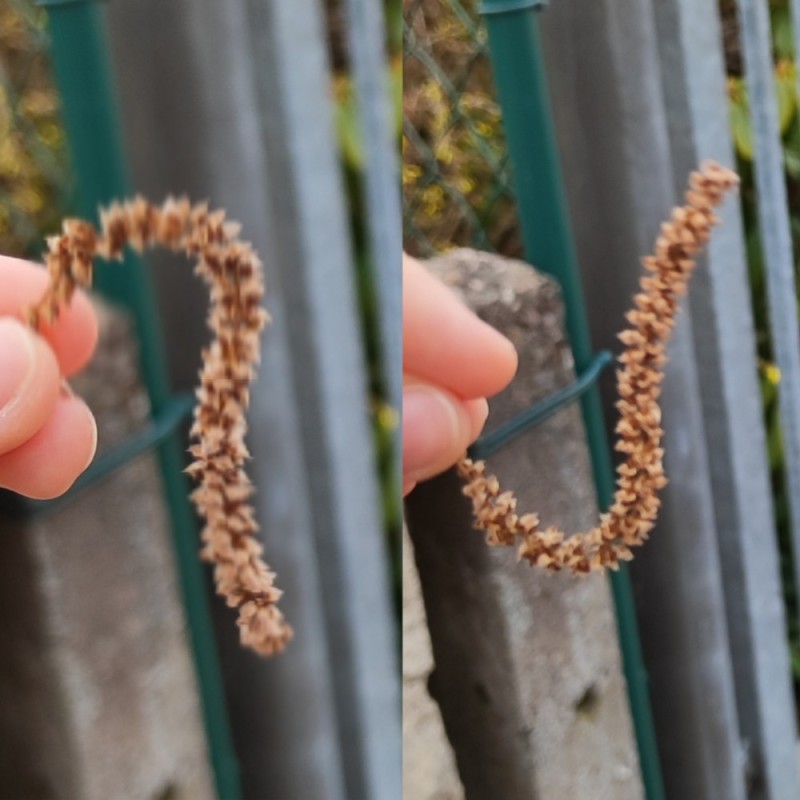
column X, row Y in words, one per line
column 98, row 698
column 527, row 671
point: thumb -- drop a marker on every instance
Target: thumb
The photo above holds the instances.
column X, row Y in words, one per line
column 29, row 382
column 437, row 429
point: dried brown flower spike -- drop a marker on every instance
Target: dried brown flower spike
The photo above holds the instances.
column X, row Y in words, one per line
column 234, row 273
column 632, row 514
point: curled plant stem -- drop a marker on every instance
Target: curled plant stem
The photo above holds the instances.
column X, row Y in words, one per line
column 640, row 475
column 236, row 317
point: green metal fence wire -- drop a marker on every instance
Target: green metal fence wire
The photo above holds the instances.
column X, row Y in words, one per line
column 456, row 184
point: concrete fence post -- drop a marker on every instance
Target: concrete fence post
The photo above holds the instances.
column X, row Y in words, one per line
column 527, row 667
column 98, row 697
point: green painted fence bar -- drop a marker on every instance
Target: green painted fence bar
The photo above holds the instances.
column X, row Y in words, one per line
column 519, row 75
column 84, row 77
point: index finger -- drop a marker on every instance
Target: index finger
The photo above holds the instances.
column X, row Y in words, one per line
column 73, row 336
column 446, row 344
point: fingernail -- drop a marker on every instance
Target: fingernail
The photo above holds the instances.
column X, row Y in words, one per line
column 17, row 359
column 483, row 414
column 436, row 423
column 93, row 451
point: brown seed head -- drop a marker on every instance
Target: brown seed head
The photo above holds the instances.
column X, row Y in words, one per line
column 640, row 475
column 233, row 272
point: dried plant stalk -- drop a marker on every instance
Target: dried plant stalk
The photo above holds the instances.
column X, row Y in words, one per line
column 632, row 514
column 236, row 317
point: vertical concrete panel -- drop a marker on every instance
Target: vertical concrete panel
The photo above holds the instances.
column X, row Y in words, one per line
column 314, row 256
column 605, row 80
column 690, row 47
column 188, row 80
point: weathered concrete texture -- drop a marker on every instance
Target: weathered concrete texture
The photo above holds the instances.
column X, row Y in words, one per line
column 98, row 699
column 528, row 672
column 429, row 770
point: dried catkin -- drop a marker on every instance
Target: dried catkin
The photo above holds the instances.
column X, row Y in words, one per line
column 640, row 475
column 236, row 317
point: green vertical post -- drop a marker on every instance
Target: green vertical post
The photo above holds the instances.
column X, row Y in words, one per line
column 520, row 78
column 84, row 77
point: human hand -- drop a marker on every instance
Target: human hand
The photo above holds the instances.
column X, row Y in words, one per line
column 452, row 361
column 47, row 435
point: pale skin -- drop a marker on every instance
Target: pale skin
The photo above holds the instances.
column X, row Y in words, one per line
column 48, row 436
column 452, row 361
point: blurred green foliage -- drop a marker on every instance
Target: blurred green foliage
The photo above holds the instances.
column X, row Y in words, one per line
column 33, row 171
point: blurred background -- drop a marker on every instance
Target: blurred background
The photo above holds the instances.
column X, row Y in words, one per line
column 638, row 92
column 120, row 670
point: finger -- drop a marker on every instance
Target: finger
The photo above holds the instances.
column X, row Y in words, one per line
column 29, row 383
column 73, row 336
column 445, row 343
column 478, row 412
column 47, row 464
column 437, row 429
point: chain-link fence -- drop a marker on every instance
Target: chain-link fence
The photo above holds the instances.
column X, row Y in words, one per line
column 33, row 171
column 456, row 182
